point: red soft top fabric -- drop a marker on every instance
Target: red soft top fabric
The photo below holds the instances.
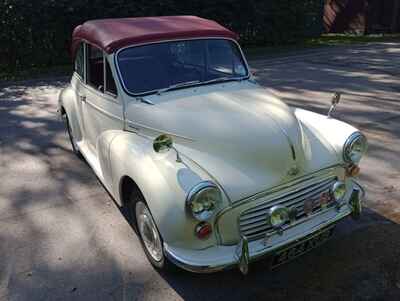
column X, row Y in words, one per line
column 113, row 34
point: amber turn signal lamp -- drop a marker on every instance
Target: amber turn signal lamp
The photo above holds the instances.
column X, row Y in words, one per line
column 203, row 230
column 353, row 171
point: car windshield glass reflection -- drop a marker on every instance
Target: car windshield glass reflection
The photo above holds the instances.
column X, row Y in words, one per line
column 171, row 65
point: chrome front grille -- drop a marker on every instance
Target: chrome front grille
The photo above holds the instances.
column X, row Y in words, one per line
column 253, row 222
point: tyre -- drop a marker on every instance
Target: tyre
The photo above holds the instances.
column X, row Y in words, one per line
column 74, row 145
column 148, row 233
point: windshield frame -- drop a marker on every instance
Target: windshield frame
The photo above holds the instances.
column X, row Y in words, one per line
column 120, row 77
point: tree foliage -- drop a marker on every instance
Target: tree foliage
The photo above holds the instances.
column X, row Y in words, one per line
column 37, row 32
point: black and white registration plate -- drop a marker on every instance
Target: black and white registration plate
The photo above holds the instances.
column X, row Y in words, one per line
column 294, row 250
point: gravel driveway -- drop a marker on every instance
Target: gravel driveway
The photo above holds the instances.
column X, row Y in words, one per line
column 62, row 237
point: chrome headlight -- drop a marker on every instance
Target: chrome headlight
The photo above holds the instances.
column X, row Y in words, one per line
column 354, row 148
column 203, row 200
column 278, row 216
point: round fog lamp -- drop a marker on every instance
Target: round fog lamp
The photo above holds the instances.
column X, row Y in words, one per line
column 278, row 216
column 338, row 191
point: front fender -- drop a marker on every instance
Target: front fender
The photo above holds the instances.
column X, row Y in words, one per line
column 324, row 133
column 164, row 184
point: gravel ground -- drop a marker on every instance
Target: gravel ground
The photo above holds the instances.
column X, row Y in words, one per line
column 62, row 237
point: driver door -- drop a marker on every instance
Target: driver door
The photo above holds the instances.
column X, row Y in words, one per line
column 101, row 105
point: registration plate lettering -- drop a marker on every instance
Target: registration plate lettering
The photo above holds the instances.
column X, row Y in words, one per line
column 301, row 247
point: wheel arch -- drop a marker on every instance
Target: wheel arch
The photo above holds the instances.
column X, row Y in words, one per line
column 161, row 181
column 68, row 105
column 126, row 187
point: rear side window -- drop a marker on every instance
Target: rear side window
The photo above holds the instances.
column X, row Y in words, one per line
column 79, row 66
column 95, row 70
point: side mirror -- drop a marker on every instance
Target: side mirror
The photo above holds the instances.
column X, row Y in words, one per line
column 163, row 144
column 336, row 98
column 335, row 101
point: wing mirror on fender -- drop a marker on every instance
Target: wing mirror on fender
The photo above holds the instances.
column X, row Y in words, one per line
column 163, row 144
column 335, row 101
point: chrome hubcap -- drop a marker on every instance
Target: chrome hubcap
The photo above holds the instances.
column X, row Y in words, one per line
column 148, row 232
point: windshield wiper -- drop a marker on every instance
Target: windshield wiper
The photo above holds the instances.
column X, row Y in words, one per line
column 177, row 86
column 223, row 79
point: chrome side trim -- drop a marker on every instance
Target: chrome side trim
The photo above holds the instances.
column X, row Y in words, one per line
column 137, row 126
column 103, row 111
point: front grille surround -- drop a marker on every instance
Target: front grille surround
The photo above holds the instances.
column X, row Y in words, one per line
column 253, row 221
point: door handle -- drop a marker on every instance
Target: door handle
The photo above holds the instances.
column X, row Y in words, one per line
column 82, row 98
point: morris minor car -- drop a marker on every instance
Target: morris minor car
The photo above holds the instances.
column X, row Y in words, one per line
column 212, row 170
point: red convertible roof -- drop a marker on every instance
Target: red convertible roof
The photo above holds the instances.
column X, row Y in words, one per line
column 113, row 34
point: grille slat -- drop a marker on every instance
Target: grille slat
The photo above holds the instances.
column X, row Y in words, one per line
column 250, row 215
column 253, row 222
column 291, row 195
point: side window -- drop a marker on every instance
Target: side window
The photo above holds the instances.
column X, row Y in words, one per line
column 79, row 61
column 95, row 68
column 111, row 88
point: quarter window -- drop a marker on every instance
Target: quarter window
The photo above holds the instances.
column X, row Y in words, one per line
column 79, row 61
column 110, row 82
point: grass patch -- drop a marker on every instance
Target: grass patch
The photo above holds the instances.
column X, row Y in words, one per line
column 326, row 40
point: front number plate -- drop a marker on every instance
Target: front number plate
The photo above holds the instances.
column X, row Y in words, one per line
column 301, row 247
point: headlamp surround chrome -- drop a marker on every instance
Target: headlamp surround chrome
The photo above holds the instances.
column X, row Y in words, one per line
column 203, row 200
column 278, row 216
column 354, row 148
column 338, row 191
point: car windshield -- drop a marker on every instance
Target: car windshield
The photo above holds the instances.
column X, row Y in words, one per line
column 171, row 65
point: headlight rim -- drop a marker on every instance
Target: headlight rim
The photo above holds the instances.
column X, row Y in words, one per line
column 348, row 144
column 335, row 186
column 275, row 208
column 195, row 190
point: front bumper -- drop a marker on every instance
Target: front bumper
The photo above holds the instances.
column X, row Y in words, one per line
column 220, row 257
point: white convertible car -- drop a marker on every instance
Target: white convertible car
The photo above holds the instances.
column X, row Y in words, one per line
column 213, row 171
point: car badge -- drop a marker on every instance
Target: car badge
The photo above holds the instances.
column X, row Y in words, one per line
column 293, row 171
column 308, row 207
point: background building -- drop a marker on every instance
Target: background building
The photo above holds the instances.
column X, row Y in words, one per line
column 362, row 16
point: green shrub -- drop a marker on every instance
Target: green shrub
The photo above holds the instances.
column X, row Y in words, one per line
column 37, row 33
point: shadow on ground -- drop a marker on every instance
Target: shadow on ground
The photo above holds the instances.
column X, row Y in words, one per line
column 62, row 237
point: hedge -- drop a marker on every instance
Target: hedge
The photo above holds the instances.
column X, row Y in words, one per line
column 37, row 33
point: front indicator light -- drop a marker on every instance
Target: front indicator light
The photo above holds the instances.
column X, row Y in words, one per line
column 203, row 230
column 353, row 171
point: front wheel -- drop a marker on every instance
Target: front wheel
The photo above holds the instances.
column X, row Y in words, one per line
column 149, row 235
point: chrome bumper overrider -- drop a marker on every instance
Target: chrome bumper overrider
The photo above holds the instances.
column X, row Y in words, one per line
column 219, row 257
